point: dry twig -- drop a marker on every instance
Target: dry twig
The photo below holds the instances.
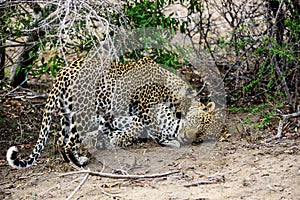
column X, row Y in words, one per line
column 107, row 193
column 59, row 186
column 78, row 187
column 31, row 175
column 241, row 122
column 220, row 178
column 119, row 176
column 281, row 124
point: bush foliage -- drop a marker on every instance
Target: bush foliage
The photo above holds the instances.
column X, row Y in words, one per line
column 256, row 47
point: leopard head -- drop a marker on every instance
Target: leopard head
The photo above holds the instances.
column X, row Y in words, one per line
column 197, row 120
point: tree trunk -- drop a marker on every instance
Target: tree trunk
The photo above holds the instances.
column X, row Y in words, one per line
column 2, row 63
column 24, row 61
column 2, row 55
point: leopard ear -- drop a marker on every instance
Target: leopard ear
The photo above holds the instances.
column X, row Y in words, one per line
column 201, row 106
column 211, row 107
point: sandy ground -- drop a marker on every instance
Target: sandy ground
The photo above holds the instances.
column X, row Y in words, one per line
column 231, row 170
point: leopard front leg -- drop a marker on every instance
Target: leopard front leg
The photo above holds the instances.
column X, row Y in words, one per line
column 128, row 130
column 162, row 136
column 164, row 126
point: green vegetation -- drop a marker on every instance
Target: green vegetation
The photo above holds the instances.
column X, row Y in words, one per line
column 155, row 41
column 266, row 111
column 257, row 52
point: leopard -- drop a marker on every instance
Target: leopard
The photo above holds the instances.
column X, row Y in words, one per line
column 134, row 100
column 172, row 130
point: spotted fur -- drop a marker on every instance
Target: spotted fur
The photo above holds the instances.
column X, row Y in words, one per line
column 133, row 101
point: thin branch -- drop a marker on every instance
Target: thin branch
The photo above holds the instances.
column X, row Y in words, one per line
column 241, row 122
column 44, row 96
column 201, row 182
column 291, row 115
column 25, row 44
column 106, row 193
column 16, row 88
column 78, row 187
column 117, row 176
column 59, row 186
column 220, row 178
column 239, row 58
column 281, row 124
column 9, row 3
column 276, row 17
column 31, row 175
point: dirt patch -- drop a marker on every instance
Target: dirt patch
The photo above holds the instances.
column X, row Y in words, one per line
column 248, row 169
column 268, row 171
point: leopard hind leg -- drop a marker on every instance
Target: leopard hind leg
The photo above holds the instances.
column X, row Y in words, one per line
column 69, row 139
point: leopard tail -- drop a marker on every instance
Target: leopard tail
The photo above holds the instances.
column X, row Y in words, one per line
column 59, row 87
column 12, row 153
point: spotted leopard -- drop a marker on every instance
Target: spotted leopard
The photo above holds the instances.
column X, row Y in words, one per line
column 135, row 100
column 172, row 130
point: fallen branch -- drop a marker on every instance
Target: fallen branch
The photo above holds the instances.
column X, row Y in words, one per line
column 201, row 182
column 220, row 178
column 31, row 175
column 16, row 88
column 121, row 176
column 281, row 124
column 58, row 186
column 78, row 187
column 241, row 122
column 108, row 194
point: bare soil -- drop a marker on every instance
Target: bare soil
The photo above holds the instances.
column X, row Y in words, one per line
column 231, row 169
column 239, row 167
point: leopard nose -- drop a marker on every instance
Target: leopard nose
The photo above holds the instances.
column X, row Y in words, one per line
column 182, row 137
